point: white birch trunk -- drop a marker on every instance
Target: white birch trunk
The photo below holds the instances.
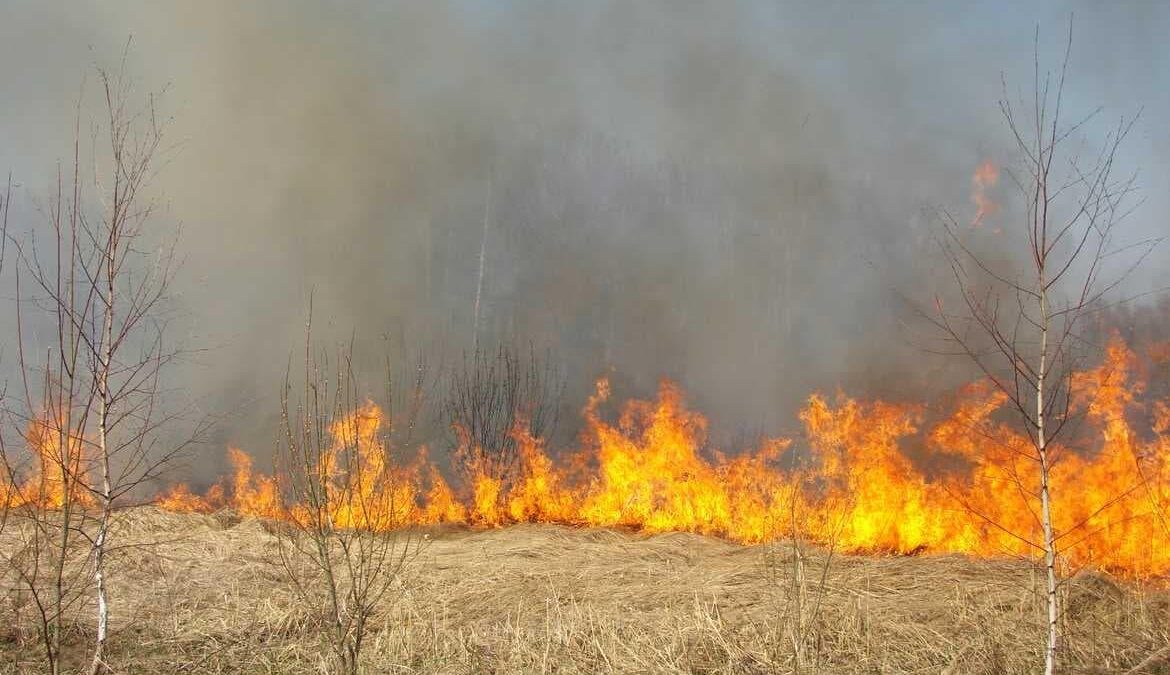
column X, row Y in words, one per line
column 104, row 362
column 1045, row 491
column 487, row 211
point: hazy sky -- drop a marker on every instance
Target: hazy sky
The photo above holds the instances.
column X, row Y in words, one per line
column 729, row 194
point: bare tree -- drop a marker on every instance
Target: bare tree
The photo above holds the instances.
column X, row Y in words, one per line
column 489, row 394
column 7, row 494
column 91, row 412
column 1020, row 324
column 346, row 502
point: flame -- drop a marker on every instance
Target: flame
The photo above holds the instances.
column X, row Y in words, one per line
column 539, row 495
column 58, row 472
column 985, row 177
column 252, row 494
column 847, row 480
column 180, row 498
column 441, row 504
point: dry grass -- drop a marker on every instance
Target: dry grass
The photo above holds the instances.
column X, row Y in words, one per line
column 210, row 597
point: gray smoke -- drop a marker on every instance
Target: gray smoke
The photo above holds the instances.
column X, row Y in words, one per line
column 728, row 194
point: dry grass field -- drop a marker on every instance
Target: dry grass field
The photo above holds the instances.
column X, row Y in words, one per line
column 206, row 594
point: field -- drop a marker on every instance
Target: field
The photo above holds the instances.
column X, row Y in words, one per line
column 206, row 594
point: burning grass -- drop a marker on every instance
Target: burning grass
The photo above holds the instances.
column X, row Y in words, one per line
column 205, row 593
column 641, row 550
column 859, row 488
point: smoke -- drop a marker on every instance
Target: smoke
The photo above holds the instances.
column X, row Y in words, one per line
column 729, row 195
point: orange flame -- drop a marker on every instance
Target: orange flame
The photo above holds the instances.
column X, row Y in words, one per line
column 985, row 178
column 58, row 473
column 180, row 498
column 849, row 481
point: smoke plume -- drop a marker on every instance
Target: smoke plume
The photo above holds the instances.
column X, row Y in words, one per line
column 730, row 195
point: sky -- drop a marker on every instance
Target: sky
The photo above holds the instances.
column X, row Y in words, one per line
column 734, row 195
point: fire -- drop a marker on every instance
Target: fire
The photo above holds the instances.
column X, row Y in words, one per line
column 180, row 498
column 252, row 494
column 985, row 178
column 441, row 503
column 539, row 495
column 847, row 480
column 888, row 505
column 58, row 472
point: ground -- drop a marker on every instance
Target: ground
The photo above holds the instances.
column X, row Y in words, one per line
column 207, row 594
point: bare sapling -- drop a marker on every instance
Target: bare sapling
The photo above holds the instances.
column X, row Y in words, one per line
column 7, row 495
column 1019, row 319
column 344, row 548
column 90, row 416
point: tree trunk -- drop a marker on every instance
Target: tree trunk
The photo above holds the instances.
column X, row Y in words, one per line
column 1046, row 491
column 64, row 445
column 104, row 404
column 487, row 214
